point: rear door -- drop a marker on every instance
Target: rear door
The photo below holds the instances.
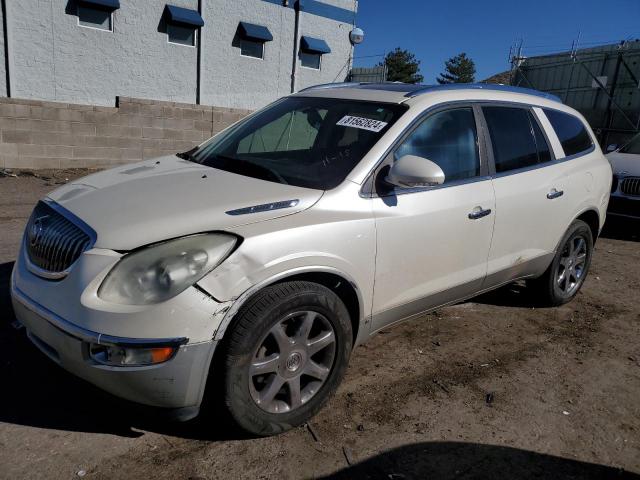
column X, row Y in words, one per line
column 531, row 205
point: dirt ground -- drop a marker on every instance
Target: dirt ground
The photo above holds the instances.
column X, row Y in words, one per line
column 488, row 388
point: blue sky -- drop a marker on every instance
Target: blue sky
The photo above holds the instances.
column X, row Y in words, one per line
column 437, row 30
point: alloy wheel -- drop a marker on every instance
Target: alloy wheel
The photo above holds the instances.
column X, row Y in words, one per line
column 292, row 361
column 571, row 267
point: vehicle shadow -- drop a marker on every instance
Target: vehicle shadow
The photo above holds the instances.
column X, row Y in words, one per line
column 36, row 392
column 515, row 294
column 621, row 229
column 444, row 460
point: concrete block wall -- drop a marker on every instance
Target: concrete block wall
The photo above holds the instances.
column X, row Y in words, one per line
column 37, row 134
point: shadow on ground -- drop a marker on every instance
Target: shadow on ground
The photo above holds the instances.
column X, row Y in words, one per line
column 513, row 295
column 39, row 393
column 621, row 229
column 445, row 460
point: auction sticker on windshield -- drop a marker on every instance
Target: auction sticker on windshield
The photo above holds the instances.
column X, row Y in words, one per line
column 363, row 123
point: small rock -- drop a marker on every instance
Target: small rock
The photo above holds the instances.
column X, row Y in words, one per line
column 81, row 473
column 348, row 455
column 313, row 432
column 564, row 412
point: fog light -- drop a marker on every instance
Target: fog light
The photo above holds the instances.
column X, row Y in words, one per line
column 130, row 356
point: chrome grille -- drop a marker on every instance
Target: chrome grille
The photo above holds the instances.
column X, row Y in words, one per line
column 54, row 241
column 630, row 186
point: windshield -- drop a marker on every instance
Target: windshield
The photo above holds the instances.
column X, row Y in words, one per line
column 633, row 146
column 306, row 142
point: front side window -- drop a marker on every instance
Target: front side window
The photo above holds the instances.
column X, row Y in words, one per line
column 449, row 139
column 306, row 142
column 181, row 34
column 251, row 48
column 310, row 60
column 571, row 132
column 515, row 137
column 95, row 17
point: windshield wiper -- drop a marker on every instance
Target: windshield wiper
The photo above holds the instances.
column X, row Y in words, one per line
column 246, row 166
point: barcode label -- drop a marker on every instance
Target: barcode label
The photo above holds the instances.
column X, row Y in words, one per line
column 362, row 123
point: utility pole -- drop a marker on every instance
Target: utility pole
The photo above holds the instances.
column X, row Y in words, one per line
column 515, row 60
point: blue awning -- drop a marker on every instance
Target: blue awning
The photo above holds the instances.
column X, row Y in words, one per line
column 106, row 4
column 314, row 45
column 254, row 32
column 184, row 16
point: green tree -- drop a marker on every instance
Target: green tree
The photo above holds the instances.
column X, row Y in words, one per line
column 458, row 69
column 402, row 66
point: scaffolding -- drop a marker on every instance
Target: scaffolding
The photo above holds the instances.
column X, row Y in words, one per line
column 602, row 83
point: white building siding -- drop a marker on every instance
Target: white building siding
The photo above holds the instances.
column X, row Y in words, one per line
column 55, row 59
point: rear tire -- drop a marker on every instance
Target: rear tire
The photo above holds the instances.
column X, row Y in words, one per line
column 569, row 268
column 285, row 353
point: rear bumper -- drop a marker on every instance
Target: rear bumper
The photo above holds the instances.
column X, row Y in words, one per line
column 624, row 206
column 175, row 384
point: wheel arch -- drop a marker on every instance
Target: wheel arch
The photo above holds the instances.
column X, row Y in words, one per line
column 592, row 218
column 340, row 283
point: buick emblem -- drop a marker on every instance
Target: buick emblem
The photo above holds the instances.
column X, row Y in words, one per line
column 37, row 230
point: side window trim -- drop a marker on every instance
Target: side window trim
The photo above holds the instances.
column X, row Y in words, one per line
column 491, row 159
column 535, row 118
column 584, row 125
column 369, row 185
column 548, row 132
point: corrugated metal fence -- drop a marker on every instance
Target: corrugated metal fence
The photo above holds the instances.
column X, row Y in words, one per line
column 368, row 74
column 602, row 83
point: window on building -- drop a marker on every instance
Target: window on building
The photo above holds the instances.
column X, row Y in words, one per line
column 311, row 51
column 182, row 25
column 310, row 60
column 181, row 34
column 571, row 132
column 252, row 39
column 449, row 139
column 514, row 138
column 97, row 13
column 250, row 48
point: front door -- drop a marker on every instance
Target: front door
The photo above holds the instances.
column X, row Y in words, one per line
column 433, row 242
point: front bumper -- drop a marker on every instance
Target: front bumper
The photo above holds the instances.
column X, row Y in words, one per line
column 175, row 384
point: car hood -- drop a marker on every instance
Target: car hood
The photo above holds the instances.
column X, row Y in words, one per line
column 164, row 198
column 624, row 162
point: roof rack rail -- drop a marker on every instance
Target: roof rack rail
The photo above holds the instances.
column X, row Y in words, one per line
column 483, row 86
column 325, row 86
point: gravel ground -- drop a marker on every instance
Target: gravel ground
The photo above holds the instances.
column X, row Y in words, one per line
column 487, row 388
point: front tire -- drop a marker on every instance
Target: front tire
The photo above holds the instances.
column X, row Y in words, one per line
column 568, row 270
column 285, row 354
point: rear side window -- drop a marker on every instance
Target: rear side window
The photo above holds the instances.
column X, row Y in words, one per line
column 516, row 138
column 571, row 132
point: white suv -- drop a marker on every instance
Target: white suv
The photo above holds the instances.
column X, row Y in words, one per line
column 255, row 262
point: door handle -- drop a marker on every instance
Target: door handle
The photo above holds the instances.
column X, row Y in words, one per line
column 554, row 194
column 479, row 212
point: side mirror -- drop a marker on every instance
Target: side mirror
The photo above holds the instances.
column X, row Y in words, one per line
column 612, row 148
column 413, row 171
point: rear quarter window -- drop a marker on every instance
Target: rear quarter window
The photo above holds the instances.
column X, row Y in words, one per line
column 571, row 132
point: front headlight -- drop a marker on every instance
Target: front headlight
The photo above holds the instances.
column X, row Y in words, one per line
column 162, row 271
